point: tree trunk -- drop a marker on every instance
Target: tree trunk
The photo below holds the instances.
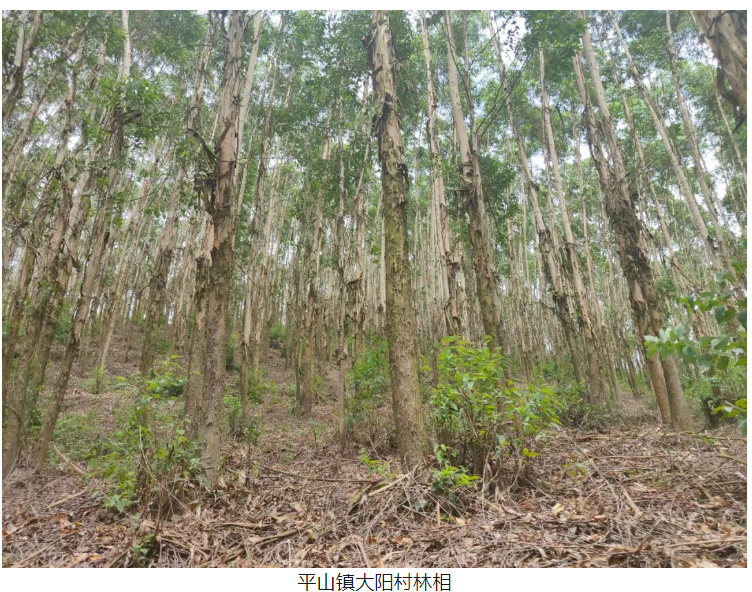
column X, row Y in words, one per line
column 220, row 209
column 400, row 317
column 629, row 234
column 25, row 45
column 83, row 309
column 684, row 185
column 694, row 148
column 472, row 191
column 726, row 32
column 306, row 394
column 163, row 260
column 551, row 267
column 47, row 308
column 571, row 257
column 450, row 265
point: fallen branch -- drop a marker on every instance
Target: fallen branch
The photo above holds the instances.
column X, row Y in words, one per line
column 709, row 542
column 67, row 461
column 266, row 539
column 68, row 498
column 728, row 456
column 313, row 478
column 237, row 525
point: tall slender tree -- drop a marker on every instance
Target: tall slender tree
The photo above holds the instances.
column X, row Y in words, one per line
column 400, row 319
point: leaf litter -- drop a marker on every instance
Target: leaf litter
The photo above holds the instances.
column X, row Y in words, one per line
column 641, row 497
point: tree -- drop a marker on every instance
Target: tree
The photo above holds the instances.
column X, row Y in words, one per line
column 400, row 320
column 726, row 32
column 630, row 239
column 472, row 191
column 222, row 230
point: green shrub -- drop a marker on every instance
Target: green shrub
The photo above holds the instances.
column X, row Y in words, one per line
column 256, row 393
column 368, row 390
column 168, row 380
column 231, row 344
column 277, row 336
column 716, row 357
column 149, row 461
column 552, row 372
column 375, row 466
column 575, row 412
column 62, row 329
column 143, row 549
column 100, row 379
column 317, row 384
column 706, row 393
column 448, row 480
column 163, row 346
column 246, row 430
column 477, row 418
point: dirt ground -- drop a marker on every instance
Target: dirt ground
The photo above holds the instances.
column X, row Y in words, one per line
column 633, row 497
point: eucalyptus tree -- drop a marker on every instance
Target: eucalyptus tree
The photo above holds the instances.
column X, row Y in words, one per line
column 403, row 357
column 228, row 185
column 630, row 240
column 726, row 32
column 219, row 205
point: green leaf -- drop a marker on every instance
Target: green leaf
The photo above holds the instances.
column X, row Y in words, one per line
column 689, row 353
column 704, row 363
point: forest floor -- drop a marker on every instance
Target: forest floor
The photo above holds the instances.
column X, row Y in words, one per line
column 636, row 496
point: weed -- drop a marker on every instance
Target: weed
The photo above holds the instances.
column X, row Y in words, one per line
column 375, row 466
column 246, row 430
column 74, row 434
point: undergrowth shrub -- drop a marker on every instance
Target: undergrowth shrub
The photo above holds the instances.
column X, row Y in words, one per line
column 366, row 419
column 707, row 393
column 256, row 393
column 277, row 336
column 62, row 328
column 575, row 412
column 375, row 466
column 168, row 380
column 163, row 346
column 244, row 430
column 100, row 379
column 479, row 419
column 719, row 358
column 231, row 344
column 551, row 372
column 317, row 384
column 149, row 461
column 448, row 480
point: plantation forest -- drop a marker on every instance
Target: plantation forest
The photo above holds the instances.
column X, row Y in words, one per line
column 374, row 289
